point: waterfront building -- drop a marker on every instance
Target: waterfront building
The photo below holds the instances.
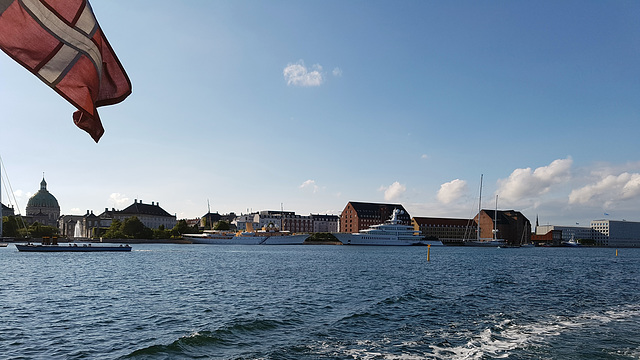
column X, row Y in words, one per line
column 151, row 215
column 511, row 225
column 286, row 221
column 209, row 219
column 448, row 230
column 550, row 238
column 85, row 226
column 43, row 207
column 325, row 223
column 616, row 233
column 7, row 211
column 70, row 226
column 297, row 223
column 358, row 216
column 246, row 221
column 567, row 232
column 274, row 218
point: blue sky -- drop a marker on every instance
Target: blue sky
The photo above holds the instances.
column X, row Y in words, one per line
column 306, row 105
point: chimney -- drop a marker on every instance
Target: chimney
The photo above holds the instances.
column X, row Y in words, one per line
column 152, row 203
column 106, row 209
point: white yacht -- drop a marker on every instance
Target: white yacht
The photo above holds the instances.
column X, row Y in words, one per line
column 267, row 236
column 392, row 232
column 285, row 238
column 225, row 238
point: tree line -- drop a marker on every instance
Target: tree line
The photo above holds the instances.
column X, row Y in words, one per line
column 130, row 228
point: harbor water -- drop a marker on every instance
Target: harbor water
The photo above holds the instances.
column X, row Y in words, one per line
column 321, row 302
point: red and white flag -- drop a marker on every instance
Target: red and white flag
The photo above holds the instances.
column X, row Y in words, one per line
column 61, row 43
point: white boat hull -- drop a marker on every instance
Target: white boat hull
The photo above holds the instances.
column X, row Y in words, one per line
column 247, row 239
column 233, row 240
column 383, row 240
column 286, row 239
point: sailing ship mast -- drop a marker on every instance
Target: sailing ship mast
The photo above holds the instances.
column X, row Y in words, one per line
column 495, row 221
column 479, row 209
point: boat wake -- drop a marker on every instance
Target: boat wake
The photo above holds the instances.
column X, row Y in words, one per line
column 507, row 336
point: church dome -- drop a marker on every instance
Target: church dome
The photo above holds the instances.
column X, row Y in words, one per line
column 43, row 198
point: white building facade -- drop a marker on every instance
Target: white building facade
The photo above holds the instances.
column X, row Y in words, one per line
column 616, row 233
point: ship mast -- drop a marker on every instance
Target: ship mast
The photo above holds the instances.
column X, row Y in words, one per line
column 479, row 209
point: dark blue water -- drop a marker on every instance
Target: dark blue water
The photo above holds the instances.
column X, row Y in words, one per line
column 320, row 302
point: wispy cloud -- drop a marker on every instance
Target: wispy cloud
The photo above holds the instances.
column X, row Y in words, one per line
column 297, row 74
column 527, row 183
column 337, row 72
column 117, row 199
column 451, row 191
column 393, row 191
column 424, row 156
column 309, row 184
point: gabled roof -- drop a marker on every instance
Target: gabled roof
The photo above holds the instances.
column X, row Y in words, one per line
column 443, row 221
column 138, row 208
column 6, row 210
column 373, row 207
column 504, row 216
column 366, row 209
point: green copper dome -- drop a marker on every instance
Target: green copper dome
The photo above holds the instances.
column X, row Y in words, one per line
column 43, row 198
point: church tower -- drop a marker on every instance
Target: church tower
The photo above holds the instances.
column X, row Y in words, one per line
column 43, row 207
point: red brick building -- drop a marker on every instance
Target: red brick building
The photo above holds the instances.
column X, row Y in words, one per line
column 357, row 216
column 445, row 228
column 512, row 226
column 551, row 238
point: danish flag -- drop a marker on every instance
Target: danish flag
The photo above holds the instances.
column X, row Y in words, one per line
column 61, row 43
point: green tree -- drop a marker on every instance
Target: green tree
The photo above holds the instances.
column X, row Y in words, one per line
column 37, row 230
column 222, row 225
column 10, row 226
column 161, row 233
column 115, row 230
column 134, row 228
column 181, row 227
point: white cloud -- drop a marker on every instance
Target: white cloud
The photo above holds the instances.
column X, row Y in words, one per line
column 608, row 189
column 20, row 197
column 118, row 199
column 298, row 75
column 524, row 183
column 309, row 184
column 337, row 72
column 451, row 191
column 393, row 191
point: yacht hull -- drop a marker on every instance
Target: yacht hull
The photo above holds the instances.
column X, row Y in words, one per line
column 286, row 239
column 359, row 239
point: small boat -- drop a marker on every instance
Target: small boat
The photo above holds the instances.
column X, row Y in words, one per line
column 4, row 244
column 70, row 248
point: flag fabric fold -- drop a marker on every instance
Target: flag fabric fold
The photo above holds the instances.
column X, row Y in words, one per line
column 60, row 41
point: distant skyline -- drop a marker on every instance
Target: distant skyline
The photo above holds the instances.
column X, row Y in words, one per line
column 250, row 105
